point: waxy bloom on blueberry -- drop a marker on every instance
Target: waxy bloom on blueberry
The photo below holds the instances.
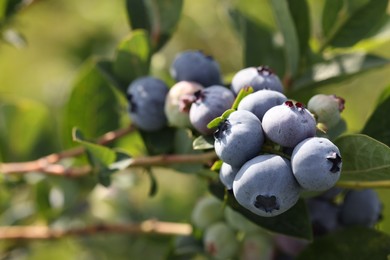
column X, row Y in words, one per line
column 316, row 164
column 209, row 104
column 288, row 124
column 266, row 186
column 146, row 96
column 238, row 138
column 194, row 65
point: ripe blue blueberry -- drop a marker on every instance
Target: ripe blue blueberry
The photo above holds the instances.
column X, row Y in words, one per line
column 176, row 106
column 207, row 105
column 238, row 138
column 324, row 216
column 227, row 173
column 316, row 164
column 327, row 108
column 261, row 101
column 361, row 207
column 266, row 186
column 146, row 96
column 193, row 65
column 288, row 124
column 258, row 78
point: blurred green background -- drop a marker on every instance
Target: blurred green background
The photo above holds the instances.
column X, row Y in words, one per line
column 60, row 36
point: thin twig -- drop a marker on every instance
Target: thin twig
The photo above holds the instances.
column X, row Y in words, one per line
column 145, row 227
column 47, row 163
column 75, row 172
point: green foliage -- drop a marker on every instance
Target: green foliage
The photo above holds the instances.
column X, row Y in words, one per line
column 311, row 45
column 364, row 158
column 93, row 106
column 353, row 243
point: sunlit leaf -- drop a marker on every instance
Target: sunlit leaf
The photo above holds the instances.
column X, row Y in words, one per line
column 92, row 107
column 203, row 143
column 286, row 26
column 364, row 158
column 347, row 22
column 132, row 58
column 339, row 68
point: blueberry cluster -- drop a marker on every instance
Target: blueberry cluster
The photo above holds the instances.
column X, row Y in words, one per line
column 267, row 143
column 270, row 148
column 197, row 97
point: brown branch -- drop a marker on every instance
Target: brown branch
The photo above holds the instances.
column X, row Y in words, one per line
column 47, row 163
column 145, row 161
column 145, row 227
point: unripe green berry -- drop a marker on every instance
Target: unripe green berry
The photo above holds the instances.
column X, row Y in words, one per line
column 220, row 241
column 327, row 108
column 207, row 211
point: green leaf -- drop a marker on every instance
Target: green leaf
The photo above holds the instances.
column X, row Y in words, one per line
column 364, row 158
column 286, row 26
column 378, row 125
column 137, row 14
column 159, row 142
column 215, row 122
column 26, row 129
column 165, row 15
column 339, row 68
column 258, row 44
column 347, row 22
column 299, row 11
column 294, row 222
column 93, row 106
column 243, row 93
column 349, row 243
column 203, row 142
column 105, row 68
column 132, row 58
column 158, row 17
column 104, row 160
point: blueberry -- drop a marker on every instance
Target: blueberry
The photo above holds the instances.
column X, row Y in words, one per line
column 290, row 246
column 192, row 65
column 209, row 104
column 207, row 211
column 316, row 164
column 146, row 96
column 288, row 124
column 327, row 108
column 266, row 186
column 361, row 207
column 178, row 103
column 324, row 216
column 227, row 173
column 238, row 138
column 258, row 78
column 261, row 101
column 220, row 241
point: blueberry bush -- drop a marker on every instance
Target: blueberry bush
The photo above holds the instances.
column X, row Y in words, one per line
column 195, row 129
